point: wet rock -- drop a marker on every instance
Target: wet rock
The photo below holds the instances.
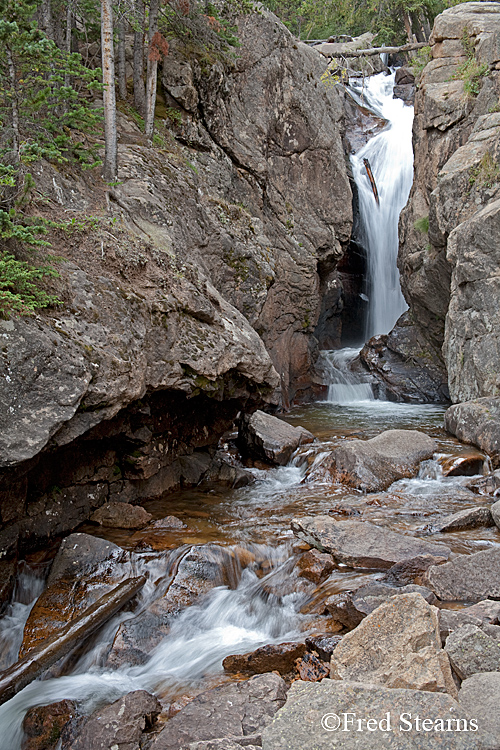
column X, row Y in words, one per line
column 178, row 705
column 405, row 366
column 495, row 513
column 480, row 696
column 43, row 725
column 311, row 668
column 169, row 522
column 488, row 485
column 477, row 422
column 280, row 658
column 324, row 645
column 406, row 92
column 467, row 464
column 84, row 569
column 299, row 723
column 411, row 571
column 467, row 577
column 404, row 77
column 270, row 438
column 81, row 553
column 470, row 518
column 361, row 544
column 233, row 710
column 315, row 566
column 409, row 654
column 119, row 725
column 373, row 465
column 472, row 651
column 7, row 581
column 199, row 570
column 224, row 474
column 351, row 607
column 121, row 516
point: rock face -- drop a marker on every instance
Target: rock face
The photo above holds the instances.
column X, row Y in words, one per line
column 467, row 577
column 397, row 645
column 233, row 710
column 449, row 230
column 477, row 422
column 373, row 465
column 361, row 544
column 404, row 366
column 182, row 312
column 270, row 438
column 314, row 715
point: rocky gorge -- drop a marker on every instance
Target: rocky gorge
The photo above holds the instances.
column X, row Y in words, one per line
column 197, row 301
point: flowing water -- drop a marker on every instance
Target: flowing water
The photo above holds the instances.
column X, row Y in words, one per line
column 266, row 601
column 390, row 157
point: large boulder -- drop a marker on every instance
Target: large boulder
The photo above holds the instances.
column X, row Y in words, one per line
column 361, row 544
column 466, row 577
column 269, row 438
column 373, row 465
column 480, row 695
column 469, row 518
column 471, row 651
column 272, row 658
column 477, row 422
column 397, row 645
column 233, row 710
column 318, row 716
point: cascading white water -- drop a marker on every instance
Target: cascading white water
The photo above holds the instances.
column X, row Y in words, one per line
column 390, row 156
column 344, row 387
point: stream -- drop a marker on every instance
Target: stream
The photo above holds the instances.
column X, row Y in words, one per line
column 267, row 602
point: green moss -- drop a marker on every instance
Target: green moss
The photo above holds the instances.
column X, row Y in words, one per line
column 486, row 173
column 422, row 225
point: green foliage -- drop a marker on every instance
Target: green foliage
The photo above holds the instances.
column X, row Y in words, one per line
column 20, row 293
column 418, row 63
column 422, row 225
column 471, row 72
column 486, row 173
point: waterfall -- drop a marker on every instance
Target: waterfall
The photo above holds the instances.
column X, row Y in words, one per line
column 390, row 156
column 345, row 387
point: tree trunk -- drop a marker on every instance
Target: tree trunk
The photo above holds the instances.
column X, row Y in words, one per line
column 122, row 72
column 14, row 107
column 139, row 92
column 108, row 79
column 46, row 20
column 69, row 30
column 40, row 658
column 152, row 71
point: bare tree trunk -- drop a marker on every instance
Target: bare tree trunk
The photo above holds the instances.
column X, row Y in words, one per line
column 122, row 73
column 46, row 20
column 63, row 641
column 108, row 79
column 139, row 92
column 69, row 29
column 152, row 70
column 14, row 107
column 407, row 24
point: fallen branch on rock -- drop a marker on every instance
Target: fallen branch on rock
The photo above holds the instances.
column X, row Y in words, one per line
column 379, row 50
column 55, row 647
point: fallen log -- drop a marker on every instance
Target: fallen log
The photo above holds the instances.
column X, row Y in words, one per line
column 380, row 50
column 372, row 180
column 27, row 669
